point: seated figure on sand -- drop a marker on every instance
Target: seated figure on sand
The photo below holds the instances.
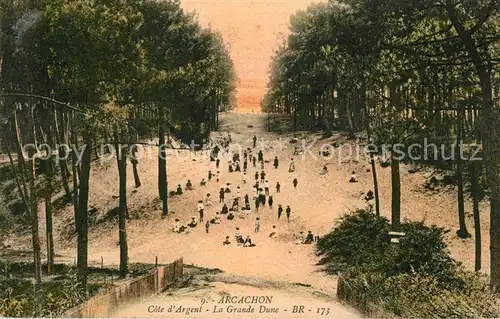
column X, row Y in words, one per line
column 189, row 185
column 309, row 238
column 273, row 233
column 236, row 204
column 177, row 226
column 299, row 239
column 208, row 200
column 325, row 170
column 248, row 242
column 226, row 242
column 291, row 167
column 369, row 195
column 179, row 190
column 203, row 182
column 193, row 222
column 353, row 178
column 224, row 209
column 237, row 235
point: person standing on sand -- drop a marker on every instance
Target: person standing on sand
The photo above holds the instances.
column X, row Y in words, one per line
column 256, row 176
column 257, row 203
column 217, row 162
column 207, row 226
column 245, row 165
column 209, row 176
column 295, row 182
column 288, row 211
column 270, row 202
column 221, row 195
column 254, row 141
column 244, row 178
column 280, row 211
column 200, row 210
column 276, row 162
column 278, row 187
column 254, row 161
column 266, row 187
column 262, row 177
column 257, row 224
column 260, row 156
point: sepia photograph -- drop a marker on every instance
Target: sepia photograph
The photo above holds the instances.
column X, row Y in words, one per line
column 249, row 159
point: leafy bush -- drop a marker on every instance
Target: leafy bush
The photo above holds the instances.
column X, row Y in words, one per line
column 415, row 278
column 20, row 298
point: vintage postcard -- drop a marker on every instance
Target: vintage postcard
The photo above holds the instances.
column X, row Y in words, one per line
column 249, row 158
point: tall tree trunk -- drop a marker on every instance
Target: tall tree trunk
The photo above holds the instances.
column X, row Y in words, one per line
column 82, row 213
column 462, row 231
column 162, row 169
column 396, row 194
column 121, row 158
column 49, row 233
column 476, row 193
column 489, row 132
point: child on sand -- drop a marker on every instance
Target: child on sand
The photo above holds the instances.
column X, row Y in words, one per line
column 288, row 212
column 262, row 177
column 209, row 176
column 208, row 200
column 278, row 186
column 280, row 211
column 226, row 242
column 257, row 224
column 179, row 190
column 189, row 185
column 295, row 182
column 207, row 226
column 238, row 192
column 244, row 178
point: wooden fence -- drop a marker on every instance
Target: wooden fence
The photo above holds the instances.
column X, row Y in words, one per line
column 105, row 305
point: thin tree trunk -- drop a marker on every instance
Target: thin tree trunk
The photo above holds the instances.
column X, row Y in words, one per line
column 162, row 170
column 122, row 214
column 396, row 194
column 49, row 233
column 475, row 170
column 34, row 201
column 16, row 175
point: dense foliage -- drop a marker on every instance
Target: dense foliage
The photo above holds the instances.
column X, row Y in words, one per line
column 415, row 278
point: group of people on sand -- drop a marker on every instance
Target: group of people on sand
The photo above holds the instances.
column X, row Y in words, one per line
column 261, row 196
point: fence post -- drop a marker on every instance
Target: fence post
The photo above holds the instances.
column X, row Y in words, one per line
column 156, row 262
column 102, row 263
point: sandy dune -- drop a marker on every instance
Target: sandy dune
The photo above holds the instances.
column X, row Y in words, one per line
column 252, row 30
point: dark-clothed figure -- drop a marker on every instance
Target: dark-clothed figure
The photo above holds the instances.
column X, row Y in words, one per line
column 288, row 211
column 254, row 141
column 309, row 239
column 276, row 162
column 280, row 211
column 295, row 182
column 270, row 202
column 221, row 195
